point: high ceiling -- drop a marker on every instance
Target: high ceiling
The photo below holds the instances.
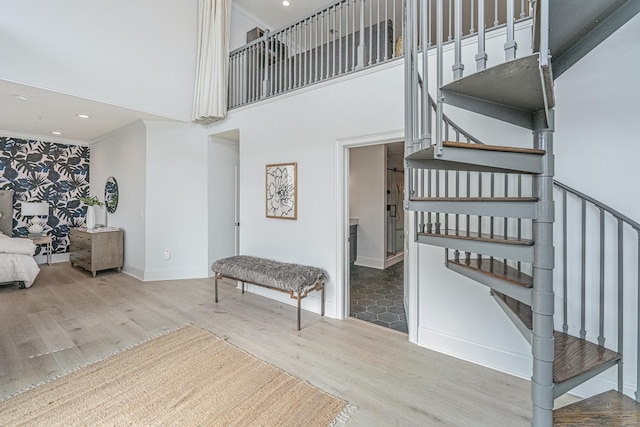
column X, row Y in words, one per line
column 275, row 15
column 45, row 111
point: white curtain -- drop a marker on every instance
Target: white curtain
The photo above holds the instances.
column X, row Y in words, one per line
column 212, row 73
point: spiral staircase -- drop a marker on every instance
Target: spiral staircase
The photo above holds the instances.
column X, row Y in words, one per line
column 491, row 207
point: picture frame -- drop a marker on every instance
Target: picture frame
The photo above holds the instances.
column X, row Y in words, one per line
column 282, row 191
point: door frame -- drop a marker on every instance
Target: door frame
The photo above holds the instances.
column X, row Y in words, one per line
column 343, row 146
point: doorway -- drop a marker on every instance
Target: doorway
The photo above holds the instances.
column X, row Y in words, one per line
column 376, row 223
column 223, row 191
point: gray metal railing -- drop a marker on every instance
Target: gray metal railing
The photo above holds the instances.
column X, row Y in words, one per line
column 598, row 278
column 349, row 35
column 340, row 38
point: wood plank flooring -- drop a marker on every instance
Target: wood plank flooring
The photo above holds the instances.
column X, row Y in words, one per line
column 67, row 319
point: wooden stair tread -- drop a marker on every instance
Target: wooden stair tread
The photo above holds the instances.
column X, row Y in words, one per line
column 497, row 269
column 572, row 356
column 456, row 144
column 484, row 237
column 474, row 199
column 605, row 409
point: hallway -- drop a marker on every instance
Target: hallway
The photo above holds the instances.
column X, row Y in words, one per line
column 377, row 296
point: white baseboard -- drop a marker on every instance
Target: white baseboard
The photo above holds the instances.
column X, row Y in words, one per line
column 516, row 364
column 133, row 271
column 173, row 274
column 512, row 363
column 370, row 262
column 393, row 260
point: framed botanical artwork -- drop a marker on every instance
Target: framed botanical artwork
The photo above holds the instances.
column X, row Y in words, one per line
column 282, row 197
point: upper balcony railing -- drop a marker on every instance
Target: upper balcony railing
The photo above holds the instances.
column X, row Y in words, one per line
column 343, row 37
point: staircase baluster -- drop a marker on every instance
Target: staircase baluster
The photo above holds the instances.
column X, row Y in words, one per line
column 458, row 66
column 439, row 70
column 446, row 194
column 426, row 104
column 510, row 46
column 492, row 219
column 295, row 58
column 601, row 338
column 429, row 223
column 471, row 17
column 393, row 51
column 437, row 189
column 468, row 222
column 386, row 31
column 480, row 195
column 287, row 74
column 307, row 61
column 457, row 216
column 519, row 219
column 522, row 15
column 565, row 324
column 450, row 37
column 620, row 302
column 583, row 279
column 544, row 33
column 495, row 14
column 360, row 62
column 371, row 29
column 339, row 29
column 354, row 50
column 505, row 225
column 379, row 31
column 481, row 56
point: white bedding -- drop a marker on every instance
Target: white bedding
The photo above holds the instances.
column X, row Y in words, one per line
column 16, row 260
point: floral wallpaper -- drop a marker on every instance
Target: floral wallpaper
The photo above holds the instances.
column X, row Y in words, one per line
column 44, row 171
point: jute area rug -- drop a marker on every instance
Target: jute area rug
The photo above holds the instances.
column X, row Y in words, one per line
column 188, row 377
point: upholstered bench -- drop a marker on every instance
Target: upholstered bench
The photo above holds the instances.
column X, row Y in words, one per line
column 295, row 279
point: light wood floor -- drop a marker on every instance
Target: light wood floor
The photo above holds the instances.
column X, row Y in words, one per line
column 67, row 319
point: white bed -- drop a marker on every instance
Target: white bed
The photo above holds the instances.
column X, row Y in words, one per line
column 16, row 254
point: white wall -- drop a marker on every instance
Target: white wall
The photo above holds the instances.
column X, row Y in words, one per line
column 177, row 201
column 597, row 151
column 223, row 159
column 304, row 129
column 140, row 55
column 121, row 154
column 367, row 185
column 596, row 139
column 241, row 22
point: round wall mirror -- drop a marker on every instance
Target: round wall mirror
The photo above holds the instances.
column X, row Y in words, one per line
column 111, row 194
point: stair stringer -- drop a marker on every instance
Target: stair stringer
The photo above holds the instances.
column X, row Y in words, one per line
column 516, row 292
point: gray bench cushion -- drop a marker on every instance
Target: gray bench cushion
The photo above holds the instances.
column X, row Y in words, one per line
column 275, row 274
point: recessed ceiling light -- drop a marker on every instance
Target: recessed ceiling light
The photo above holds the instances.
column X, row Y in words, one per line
column 55, row 132
column 285, row 3
column 21, row 98
column 83, row 116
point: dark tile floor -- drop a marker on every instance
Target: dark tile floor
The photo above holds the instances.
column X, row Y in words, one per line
column 377, row 296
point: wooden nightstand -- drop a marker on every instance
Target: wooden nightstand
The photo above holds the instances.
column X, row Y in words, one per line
column 44, row 241
column 96, row 249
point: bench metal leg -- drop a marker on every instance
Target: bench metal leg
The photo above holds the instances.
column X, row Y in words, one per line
column 215, row 280
column 243, row 287
column 299, row 299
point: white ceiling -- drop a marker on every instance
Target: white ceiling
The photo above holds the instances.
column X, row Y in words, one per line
column 275, row 15
column 47, row 111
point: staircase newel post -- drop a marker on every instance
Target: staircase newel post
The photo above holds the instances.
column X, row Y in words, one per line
column 542, row 343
